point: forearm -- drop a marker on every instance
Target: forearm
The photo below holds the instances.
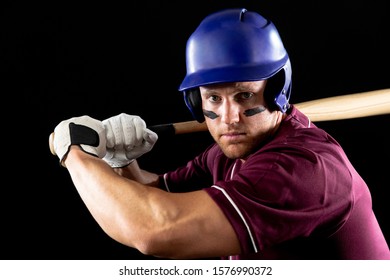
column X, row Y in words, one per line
column 119, row 205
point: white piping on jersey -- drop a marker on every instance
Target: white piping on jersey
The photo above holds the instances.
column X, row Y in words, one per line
column 232, row 173
column 165, row 182
column 239, row 213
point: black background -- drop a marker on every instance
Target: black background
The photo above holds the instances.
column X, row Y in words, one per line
column 61, row 59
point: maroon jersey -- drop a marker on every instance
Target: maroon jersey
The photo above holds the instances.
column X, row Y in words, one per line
column 296, row 197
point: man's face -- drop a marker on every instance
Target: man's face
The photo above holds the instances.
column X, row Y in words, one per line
column 237, row 116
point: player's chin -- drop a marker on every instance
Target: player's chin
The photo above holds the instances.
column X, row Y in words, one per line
column 235, row 151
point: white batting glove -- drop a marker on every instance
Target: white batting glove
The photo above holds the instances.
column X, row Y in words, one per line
column 84, row 131
column 127, row 139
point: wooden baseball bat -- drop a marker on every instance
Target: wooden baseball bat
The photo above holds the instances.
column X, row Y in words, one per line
column 355, row 105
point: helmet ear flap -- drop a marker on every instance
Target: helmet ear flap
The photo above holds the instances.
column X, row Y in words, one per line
column 273, row 91
column 278, row 89
column 194, row 103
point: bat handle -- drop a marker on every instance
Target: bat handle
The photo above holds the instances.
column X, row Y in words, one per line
column 169, row 129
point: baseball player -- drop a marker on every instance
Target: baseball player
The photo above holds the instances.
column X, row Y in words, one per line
column 272, row 186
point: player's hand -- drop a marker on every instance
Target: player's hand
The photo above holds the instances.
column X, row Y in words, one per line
column 127, row 139
column 84, row 131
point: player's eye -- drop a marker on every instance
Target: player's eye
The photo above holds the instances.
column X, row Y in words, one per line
column 242, row 96
column 214, row 98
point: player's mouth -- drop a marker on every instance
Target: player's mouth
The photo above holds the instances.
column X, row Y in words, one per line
column 233, row 136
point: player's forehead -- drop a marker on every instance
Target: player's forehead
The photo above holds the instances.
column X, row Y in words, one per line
column 233, row 87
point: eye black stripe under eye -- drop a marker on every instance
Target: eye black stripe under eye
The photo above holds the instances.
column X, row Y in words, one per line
column 254, row 111
column 210, row 114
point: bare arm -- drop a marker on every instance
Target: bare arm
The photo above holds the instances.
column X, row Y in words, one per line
column 169, row 225
column 134, row 172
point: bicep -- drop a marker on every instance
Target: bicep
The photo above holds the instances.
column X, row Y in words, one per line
column 196, row 227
